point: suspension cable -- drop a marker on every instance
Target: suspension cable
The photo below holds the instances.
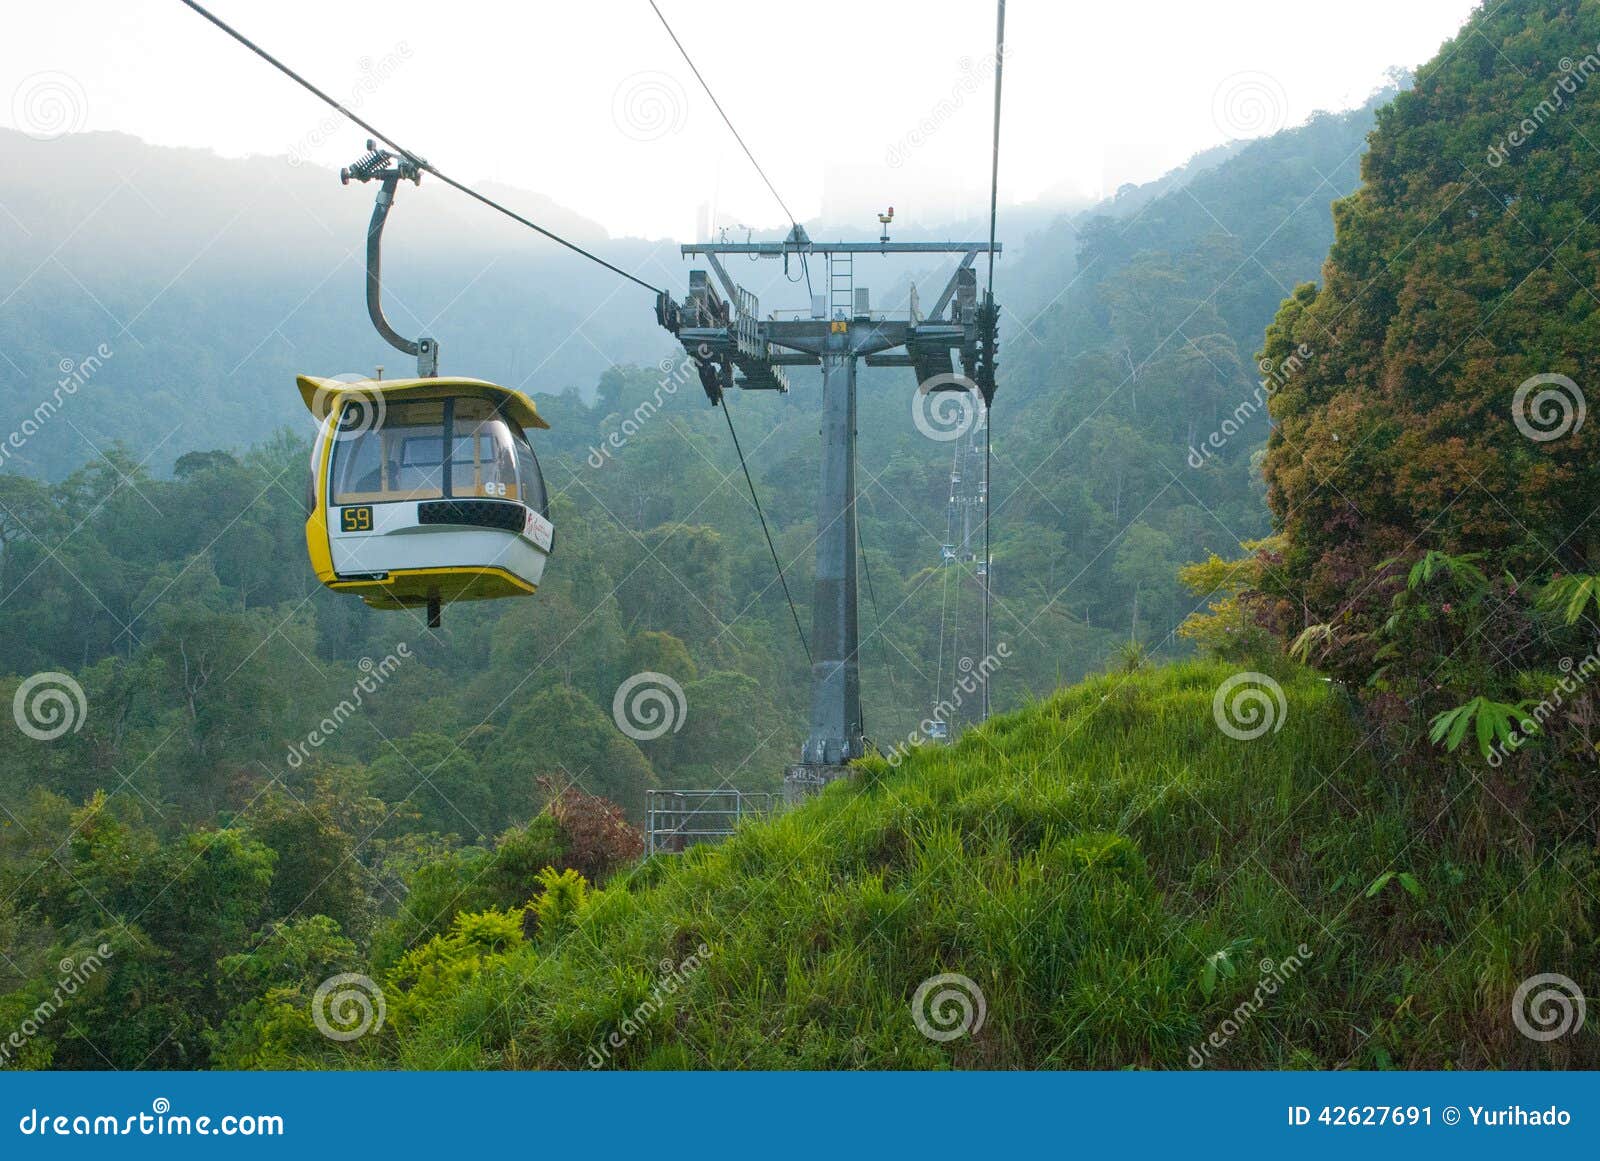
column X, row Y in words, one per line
column 804, row 265
column 403, row 151
column 994, row 205
column 877, row 614
column 994, row 168
column 755, row 499
column 944, row 600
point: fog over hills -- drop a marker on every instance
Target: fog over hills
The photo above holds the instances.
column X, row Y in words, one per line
column 173, row 294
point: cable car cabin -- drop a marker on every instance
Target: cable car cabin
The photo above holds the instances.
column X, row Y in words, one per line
column 425, row 491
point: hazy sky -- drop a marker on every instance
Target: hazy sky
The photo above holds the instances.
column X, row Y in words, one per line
column 848, row 105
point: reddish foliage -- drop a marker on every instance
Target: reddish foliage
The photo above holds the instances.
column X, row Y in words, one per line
column 599, row 836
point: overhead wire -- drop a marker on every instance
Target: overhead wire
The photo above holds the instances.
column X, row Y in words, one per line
column 877, row 613
column 994, row 205
column 765, row 531
column 425, row 166
column 415, row 158
column 726, row 120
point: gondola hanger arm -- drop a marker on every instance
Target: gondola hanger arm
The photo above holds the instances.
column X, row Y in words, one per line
column 389, row 170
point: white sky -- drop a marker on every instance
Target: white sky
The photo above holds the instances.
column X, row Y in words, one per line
column 591, row 104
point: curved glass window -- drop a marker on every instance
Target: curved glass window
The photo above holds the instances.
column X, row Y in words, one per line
column 429, row 450
column 482, row 462
column 532, row 479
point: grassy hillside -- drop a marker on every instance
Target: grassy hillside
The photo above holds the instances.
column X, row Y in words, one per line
column 1118, row 876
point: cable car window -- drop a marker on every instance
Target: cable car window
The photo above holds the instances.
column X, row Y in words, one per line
column 400, row 460
column 533, row 494
column 481, row 460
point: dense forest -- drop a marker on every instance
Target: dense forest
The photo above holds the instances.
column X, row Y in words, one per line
column 1292, row 406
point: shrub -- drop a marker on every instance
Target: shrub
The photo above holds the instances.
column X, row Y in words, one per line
column 563, row 896
column 599, row 838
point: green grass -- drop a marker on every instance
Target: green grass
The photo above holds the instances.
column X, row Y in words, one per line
column 1081, row 860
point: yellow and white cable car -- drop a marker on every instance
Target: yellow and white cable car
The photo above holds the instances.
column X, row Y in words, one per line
column 425, row 491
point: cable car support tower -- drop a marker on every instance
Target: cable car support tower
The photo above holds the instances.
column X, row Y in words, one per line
column 720, row 327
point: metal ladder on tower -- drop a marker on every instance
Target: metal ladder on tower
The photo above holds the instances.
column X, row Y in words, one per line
column 841, row 285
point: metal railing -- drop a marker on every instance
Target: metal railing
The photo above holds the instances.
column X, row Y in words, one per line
column 676, row 820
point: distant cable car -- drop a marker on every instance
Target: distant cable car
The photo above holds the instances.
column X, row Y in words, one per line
column 425, row 491
column 938, row 731
column 947, row 554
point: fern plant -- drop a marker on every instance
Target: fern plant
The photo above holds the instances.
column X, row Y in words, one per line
column 1462, row 571
column 1571, row 595
column 564, row 895
column 1492, row 722
column 1301, row 649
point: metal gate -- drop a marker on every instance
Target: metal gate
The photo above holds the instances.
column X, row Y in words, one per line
column 678, row 819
